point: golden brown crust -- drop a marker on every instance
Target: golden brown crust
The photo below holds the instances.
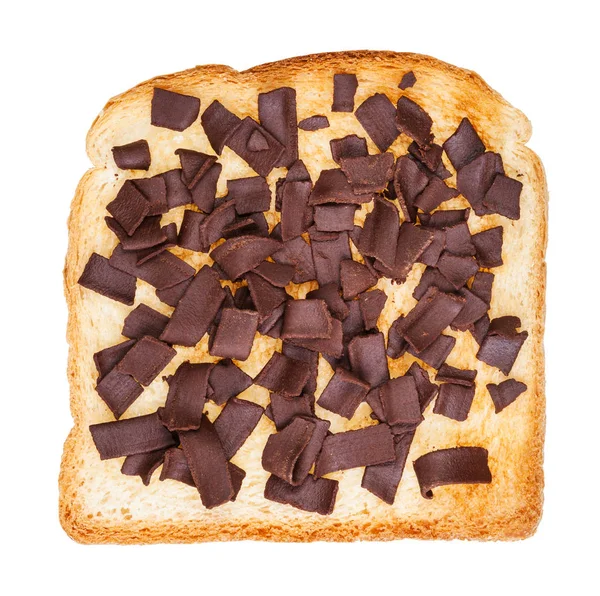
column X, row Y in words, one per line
column 80, row 519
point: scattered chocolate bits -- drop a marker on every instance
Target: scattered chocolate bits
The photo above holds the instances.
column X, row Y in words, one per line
column 454, row 400
column 379, row 235
column 239, row 255
column 235, row 334
column 266, row 297
column 344, row 88
column 105, row 360
column 400, row 401
column 355, row 278
column 129, row 207
column 464, row 145
column 371, row 304
column 349, row 146
column 368, row 174
column 502, row 344
column 414, row 121
column 333, row 186
column 409, row 182
column 143, row 320
column 284, row 375
column 219, row 125
column 235, row 424
column 99, row 276
column 277, row 113
column 118, row 391
column 143, row 465
column 488, row 246
column 314, row 123
column 173, row 110
column 283, row 409
column 227, row 380
column 133, row 156
column 307, row 319
column 504, row 196
column 474, row 180
column 368, row 360
column 377, row 116
column 316, row 495
column 434, row 194
column 408, row 80
column 344, row 393
column 146, row 359
column 505, row 393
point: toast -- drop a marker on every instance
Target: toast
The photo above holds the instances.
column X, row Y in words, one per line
column 99, row 504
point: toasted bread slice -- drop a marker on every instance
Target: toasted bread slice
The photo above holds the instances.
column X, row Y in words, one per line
column 98, row 504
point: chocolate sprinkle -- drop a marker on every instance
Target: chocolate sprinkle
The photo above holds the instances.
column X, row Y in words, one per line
column 488, row 245
column 344, row 393
column 238, row 255
column 371, row 304
column 396, row 345
column 194, row 165
column 212, row 227
column 480, row 329
column 505, row 393
column 459, row 465
column 344, row 89
column 284, row 375
column 173, row 110
column 368, row 360
column 277, row 114
column 377, row 115
column 316, row 495
column 355, row 278
column 314, row 123
column 283, row 409
column 408, row 80
column 227, row 380
column 146, row 359
column 414, row 121
column 503, row 197
column 235, row 424
column 348, row 146
column 454, row 401
column 118, row 391
column 305, row 355
column 105, row 360
column 142, row 434
column 235, row 334
column 101, row 277
column 133, row 156
column 400, row 401
column 143, row 465
column 464, row 145
column 219, row 125
column 474, row 180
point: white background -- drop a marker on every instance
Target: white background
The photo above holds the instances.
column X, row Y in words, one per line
column 60, row 64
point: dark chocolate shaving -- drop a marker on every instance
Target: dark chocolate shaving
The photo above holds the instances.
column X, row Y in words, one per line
column 133, row 156
column 431, row 255
column 408, row 80
column 377, row 116
column 219, row 125
column 328, row 256
column 368, row 174
column 482, row 286
column 190, row 232
column 273, row 324
column 101, row 277
column 172, row 295
column 505, row 393
column 314, row 123
column 464, row 145
column 148, row 233
column 332, row 346
column 170, row 231
column 235, row 424
column 344, row 393
column 488, row 246
column 105, row 360
column 316, row 495
column 444, row 218
column 480, row 329
column 143, row 320
column 349, row 146
column 249, row 195
column 129, row 207
column 355, row 278
column 475, row 179
column 283, row 409
column 284, row 375
column 458, row 376
column 459, row 465
column 435, row 355
column 459, row 241
column 344, row 89
column 414, row 121
column 275, row 273
column 118, row 391
column 454, row 401
column 396, row 344
column 173, row 110
column 371, row 304
column 425, row 388
column 237, row 256
column 143, row 465
column 434, row 194
column 194, row 165
column 277, row 114
column 305, row 355
column 502, row 344
column 473, row 310
column 400, row 401
column 368, row 359
column 431, row 158
column 155, row 191
column 298, row 254
column 332, row 186
column 227, row 380
column 296, row 215
column 307, row 319
column 331, row 295
column 146, row 359
column 334, row 218
column 235, row 334
column 175, row 467
column 177, row 192
column 409, row 182
column 412, row 242
column 265, row 296
column 504, row 196
column 457, row 270
column 379, row 235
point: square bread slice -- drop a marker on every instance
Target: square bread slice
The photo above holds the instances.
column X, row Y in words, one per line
column 99, row 504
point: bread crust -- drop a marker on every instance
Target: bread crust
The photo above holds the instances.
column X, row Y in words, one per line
column 467, row 515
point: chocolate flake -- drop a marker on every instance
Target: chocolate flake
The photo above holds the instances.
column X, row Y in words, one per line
column 332, row 346
column 332, row 186
column 464, row 145
column 400, row 401
column 368, row 360
column 173, row 110
column 344, row 89
column 409, row 182
column 454, row 401
column 148, row 233
column 265, row 296
column 316, row 495
column 175, row 467
column 435, row 355
column 118, row 390
column 142, row 434
column 129, row 207
column 459, row 465
column 356, row 448
column 296, row 215
column 283, row 409
column 488, row 245
column 105, row 360
column 344, row 393
column 458, row 376
column 305, row 355
column 355, row 278
column 272, row 324
column 328, row 256
column 370, row 173
column 173, row 295
column 459, row 241
column 371, row 304
column 277, row 114
column 235, row 334
column 396, row 345
column 431, row 158
column 190, row 232
column 503, row 197
column 457, row 270
column 170, row 231
column 249, row 195
column 505, row 393
column 143, row 465
column 475, row 179
column 334, row 218
column 434, row 194
column 101, row 277
column 444, row 218
column 314, row 123
column 482, row 286
column 212, row 227
column 219, row 125
column 412, row 242
column 348, row 146
column 306, row 319
column 133, row 156
column 480, row 329
column 196, row 309
column 188, row 388
column 425, row 388
column 284, row 375
column 194, row 165
column 377, row 116
column 408, row 80
column 502, row 344
column 236, row 423
column 143, row 320
column 414, row 121
column 227, row 380
column 330, row 294
column 431, row 255
column 177, row 192
column 154, row 190
column 379, row 235
column 473, row 310
column 205, row 191
column 276, row 274
column 238, row 255
column 146, row 359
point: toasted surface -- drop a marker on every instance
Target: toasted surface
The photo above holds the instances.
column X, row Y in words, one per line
column 99, row 504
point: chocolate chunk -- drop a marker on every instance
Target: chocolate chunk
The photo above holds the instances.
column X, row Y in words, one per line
column 284, row 375
column 459, row 465
column 344, row 89
column 236, row 256
column 464, row 145
column 505, row 393
column 488, row 245
column 249, row 195
column 188, row 388
column 227, row 380
column 105, row 360
column 143, row 465
column 473, row 310
column 368, row 360
column 333, row 187
column 219, row 125
column 458, row 240
column 458, row 376
column 482, row 286
column 314, row 123
column 99, row 276
column 129, row 207
column 276, row 274
column 296, row 216
column 409, row 182
column 328, row 256
column 396, row 344
column 305, row 355
column 261, row 160
column 177, row 192
column 355, row 448
column 475, row 179
column 355, row 278
column 118, row 390
column 277, row 114
column 196, row 310
column 190, row 233
column 235, row 334
column 330, row 294
column 332, row 346
column 236, row 423
column 383, row 479
column 133, row 156
column 431, row 255
column 148, row 233
column 142, row 434
column 370, row 173
column 173, row 295
column 265, row 296
column 272, row 324
column 503, row 197
column 454, row 401
column 377, row 116
column 349, row 146
column 434, row 194
column 408, row 80
column 154, row 190
column 379, row 235
column 457, row 270
column 146, row 359
column 307, row 319
column 208, row 464
column 175, row 467
column 371, row 304
column 316, row 495
column 344, row 393
column 502, row 344
column 290, row 453
column 162, row 271
column 480, row 329
column 143, row 320
column 334, row 218
column 283, row 409
column 412, row 242
column 400, row 401
column 173, row 110
column 194, row 165
column 414, row 121
column 425, row 388
column 433, row 313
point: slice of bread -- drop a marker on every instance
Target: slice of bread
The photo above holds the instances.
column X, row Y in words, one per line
column 99, row 504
